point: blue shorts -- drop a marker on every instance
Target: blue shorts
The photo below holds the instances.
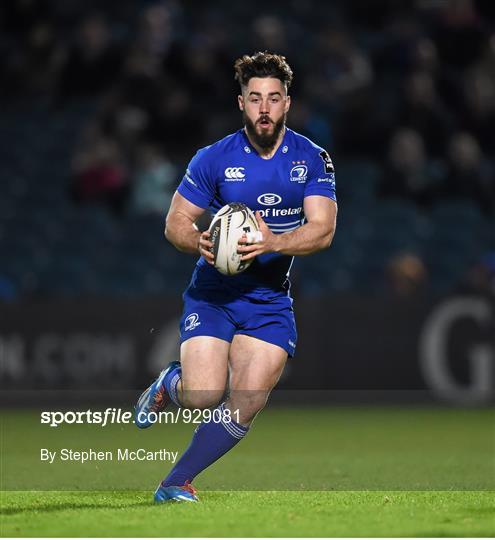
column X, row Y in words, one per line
column 214, row 313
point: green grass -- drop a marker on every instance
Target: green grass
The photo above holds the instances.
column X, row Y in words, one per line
column 348, row 471
column 247, row 513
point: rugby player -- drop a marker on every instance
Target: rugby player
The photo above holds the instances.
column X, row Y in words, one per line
column 237, row 331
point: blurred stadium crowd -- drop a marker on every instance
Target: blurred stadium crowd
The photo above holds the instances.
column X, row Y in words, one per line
column 102, row 104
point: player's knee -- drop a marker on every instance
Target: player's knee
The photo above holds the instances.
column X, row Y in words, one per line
column 247, row 414
column 248, row 404
column 200, row 399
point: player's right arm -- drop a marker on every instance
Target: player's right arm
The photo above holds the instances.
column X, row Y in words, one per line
column 194, row 194
column 181, row 230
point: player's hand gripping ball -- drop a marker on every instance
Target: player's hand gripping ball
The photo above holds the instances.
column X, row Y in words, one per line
column 230, row 223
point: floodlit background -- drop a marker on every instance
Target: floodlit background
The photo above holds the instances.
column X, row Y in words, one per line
column 102, row 104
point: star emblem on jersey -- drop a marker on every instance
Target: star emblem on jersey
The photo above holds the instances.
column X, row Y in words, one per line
column 299, row 174
column 269, row 199
column 235, row 174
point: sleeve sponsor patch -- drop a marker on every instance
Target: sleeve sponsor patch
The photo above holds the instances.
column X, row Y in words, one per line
column 330, row 179
column 327, row 162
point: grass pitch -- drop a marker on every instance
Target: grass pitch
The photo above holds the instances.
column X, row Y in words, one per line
column 251, row 513
column 301, row 472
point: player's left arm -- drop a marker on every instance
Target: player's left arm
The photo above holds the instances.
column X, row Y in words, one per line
column 316, row 234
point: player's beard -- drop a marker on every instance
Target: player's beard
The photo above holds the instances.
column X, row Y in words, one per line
column 264, row 140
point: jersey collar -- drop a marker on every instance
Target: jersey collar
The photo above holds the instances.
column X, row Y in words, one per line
column 249, row 148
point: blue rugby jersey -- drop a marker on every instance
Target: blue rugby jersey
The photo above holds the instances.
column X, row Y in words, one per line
column 231, row 170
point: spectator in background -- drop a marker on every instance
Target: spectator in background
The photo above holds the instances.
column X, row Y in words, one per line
column 342, row 70
column 459, row 32
column 32, row 67
column 406, row 276
column 305, row 120
column 155, row 31
column 478, row 111
column 175, row 124
column 269, row 33
column 468, row 174
column 155, row 40
column 423, row 110
column 44, row 57
column 340, row 87
column 425, row 56
column 99, row 174
column 480, row 277
column 407, row 172
column 127, row 110
column 130, row 123
column 154, row 182
column 446, row 81
column 189, row 86
column 93, row 61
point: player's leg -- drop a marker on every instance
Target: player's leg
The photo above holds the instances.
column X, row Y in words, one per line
column 204, row 362
column 199, row 382
column 204, row 369
column 199, row 379
column 203, row 376
column 206, row 331
column 258, row 354
column 255, row 368
column 257, row 357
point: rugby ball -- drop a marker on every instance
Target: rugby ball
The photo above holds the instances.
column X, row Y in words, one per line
column 229, row 224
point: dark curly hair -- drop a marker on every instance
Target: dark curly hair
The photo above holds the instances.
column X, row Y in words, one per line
column 262, row 64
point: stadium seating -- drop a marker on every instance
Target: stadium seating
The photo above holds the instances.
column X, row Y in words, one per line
column 50, row 246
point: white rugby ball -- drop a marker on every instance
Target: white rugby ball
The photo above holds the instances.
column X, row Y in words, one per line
column 229, row 224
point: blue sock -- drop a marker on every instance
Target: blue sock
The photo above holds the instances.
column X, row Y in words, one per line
column 172, row 379
column 210, row 441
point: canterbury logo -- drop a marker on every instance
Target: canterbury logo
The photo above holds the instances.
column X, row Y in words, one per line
column 236, row 173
